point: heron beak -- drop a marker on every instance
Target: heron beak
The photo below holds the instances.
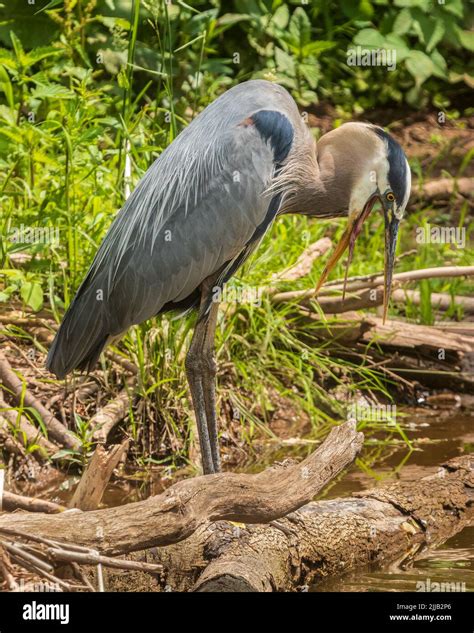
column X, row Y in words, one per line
column 391, row 232
column 348, row 239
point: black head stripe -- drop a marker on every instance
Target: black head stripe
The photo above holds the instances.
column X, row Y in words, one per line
column 397, row 174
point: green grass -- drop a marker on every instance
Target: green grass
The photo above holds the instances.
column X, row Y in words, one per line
column 64, row 128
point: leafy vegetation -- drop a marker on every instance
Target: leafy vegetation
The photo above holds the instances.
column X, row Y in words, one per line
column 90, row 94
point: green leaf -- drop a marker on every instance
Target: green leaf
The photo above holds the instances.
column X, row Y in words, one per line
column 50, row 5
column 313, row 48
column 369, row 38
column 52, row 91
column 89, row 135
column 424, row 5
column 6, row 86
column 435, row 36
column 281, row 16
column 420, row 66
column 300, row 28
column 403, row 22
column 310, row 73
column 284, row 62
column 466, row 38
column 37, row 54
column 455, row 7
column 399, row 44
column 440, row 68
column 17, row 47
column 112, row 22
column 430, row 29
column 357, row 10
column 7, row 59
column 32, row 295
column 63, row 452
column 229, row 19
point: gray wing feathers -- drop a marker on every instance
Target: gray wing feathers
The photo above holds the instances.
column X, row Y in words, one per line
column 193, row 211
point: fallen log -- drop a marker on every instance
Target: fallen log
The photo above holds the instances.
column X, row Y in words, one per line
column 377, row 527
column 441, row 272
column 10, row 502
column 179, row 511
column 397, row 335
column 439, row 300
column 429, row 355
column 443, row 189
column 373, row 297
column 303, row 264
column 111, row 414
column 465, row 328
column 411, row 336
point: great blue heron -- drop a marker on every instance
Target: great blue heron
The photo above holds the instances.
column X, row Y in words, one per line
column 203, row 207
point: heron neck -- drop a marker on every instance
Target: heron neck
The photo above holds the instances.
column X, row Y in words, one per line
column 322, row 189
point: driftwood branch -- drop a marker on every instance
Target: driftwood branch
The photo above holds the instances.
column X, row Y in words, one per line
column 393, row 334
column 15, row 385
column 110, row 415
column 25, row 432
column 380, row 527
column 373, row 297
column 96, row 476
column 438, row 357
column 90, row 558
column 10, row 501
column 38, row 555
column 376, row 282
column 304, row 263
column 180, row 510
column 443, row 189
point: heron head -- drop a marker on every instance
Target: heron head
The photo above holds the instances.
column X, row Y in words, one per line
column 382, row 175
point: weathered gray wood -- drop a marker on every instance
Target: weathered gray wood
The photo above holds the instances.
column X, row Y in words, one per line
column 180, row 510
column 326, row 538
column 96, row 476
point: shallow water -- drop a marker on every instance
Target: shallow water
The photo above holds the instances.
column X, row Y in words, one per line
column 438, row 434
column 450, row 567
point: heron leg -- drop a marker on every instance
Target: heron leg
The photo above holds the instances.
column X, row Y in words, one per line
column 209, row 385
column 201, row 372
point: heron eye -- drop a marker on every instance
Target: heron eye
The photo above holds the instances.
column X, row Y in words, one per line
column 390, row 197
